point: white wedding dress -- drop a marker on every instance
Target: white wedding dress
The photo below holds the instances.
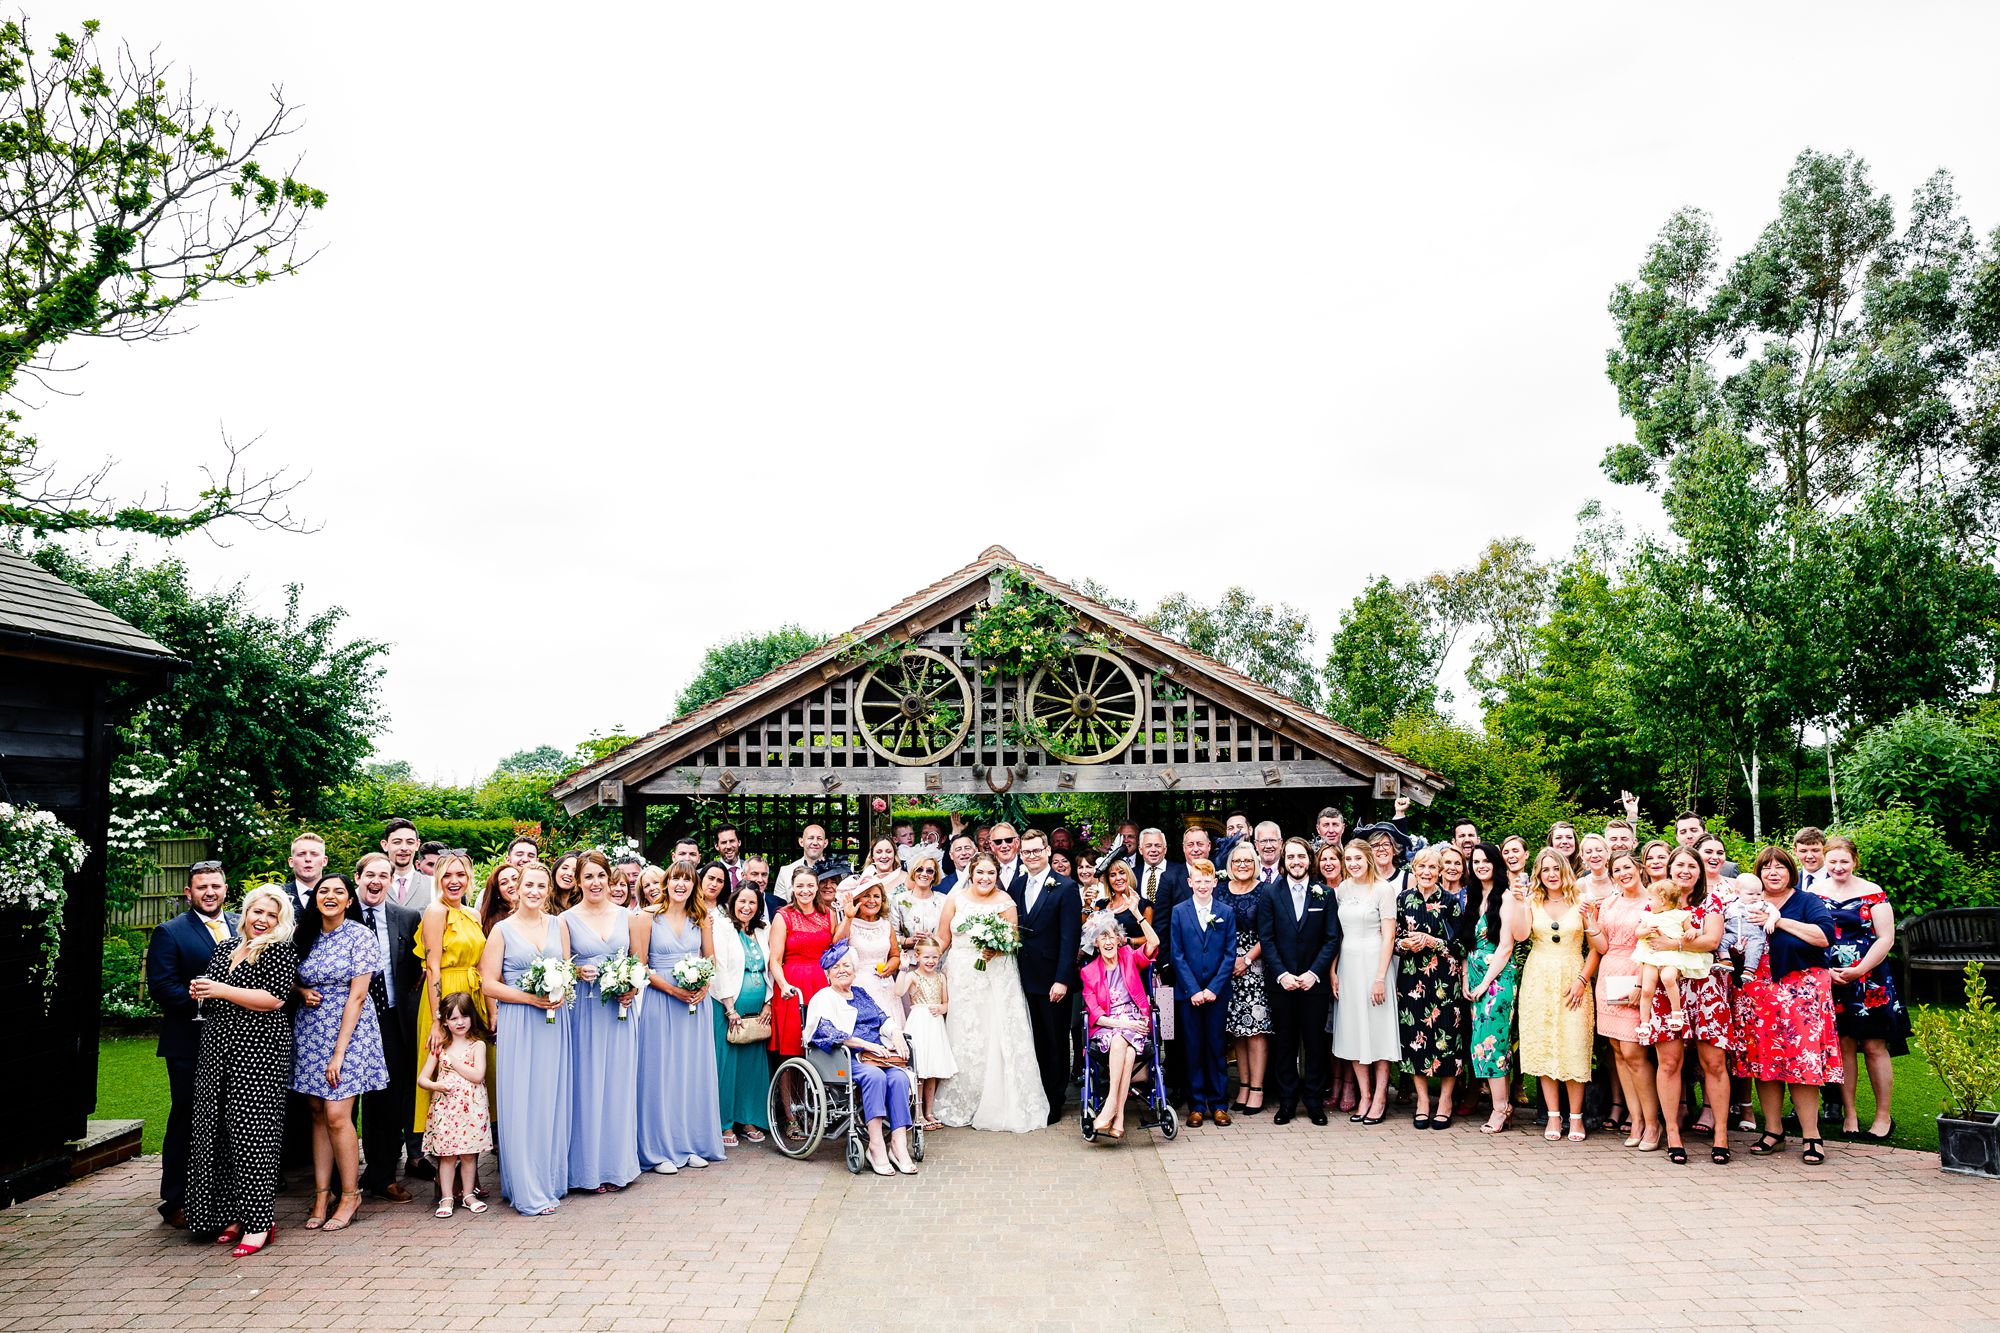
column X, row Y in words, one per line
column 998, row 1085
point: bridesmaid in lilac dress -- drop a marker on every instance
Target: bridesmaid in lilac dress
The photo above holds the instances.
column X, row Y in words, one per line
column 604, row 1102
column 532, row 1085
column 677, row 1096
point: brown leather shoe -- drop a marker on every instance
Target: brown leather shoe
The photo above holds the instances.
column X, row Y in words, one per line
column 1222, row 1116
column 1194, row 1120
column 393, row 1192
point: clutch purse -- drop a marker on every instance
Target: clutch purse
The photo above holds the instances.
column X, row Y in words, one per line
column 754, row 1030
column 1617, row 990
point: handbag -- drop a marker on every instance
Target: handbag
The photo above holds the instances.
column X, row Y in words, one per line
column 754, row 1030
column 1617, row 990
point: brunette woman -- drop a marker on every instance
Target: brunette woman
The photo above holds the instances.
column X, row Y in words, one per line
column 1708, row 1009
column 1490, row 978
column 604, row 1101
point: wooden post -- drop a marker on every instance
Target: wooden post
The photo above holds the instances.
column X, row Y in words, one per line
column 635, row 819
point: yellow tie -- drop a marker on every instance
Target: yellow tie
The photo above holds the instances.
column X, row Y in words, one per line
column 1152, row 880
column 216, row 930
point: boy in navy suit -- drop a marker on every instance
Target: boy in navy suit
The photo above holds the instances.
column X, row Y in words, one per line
column 178, row 952
column 1204, row 949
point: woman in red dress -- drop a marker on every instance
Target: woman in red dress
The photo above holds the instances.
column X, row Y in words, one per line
column 799, row 935
column 1790, row 1041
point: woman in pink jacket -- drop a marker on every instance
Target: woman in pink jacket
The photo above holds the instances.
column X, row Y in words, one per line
column 1120, row 1015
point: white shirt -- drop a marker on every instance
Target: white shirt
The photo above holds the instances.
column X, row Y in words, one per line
column 381, row 914
column 1267, row 874
column 1008, row 870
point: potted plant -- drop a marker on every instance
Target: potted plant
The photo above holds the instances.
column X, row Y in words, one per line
column 37, row 853
column 1964, row 1049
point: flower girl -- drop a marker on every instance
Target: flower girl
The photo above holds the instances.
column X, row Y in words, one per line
column 928, row 998
column 459, row 1127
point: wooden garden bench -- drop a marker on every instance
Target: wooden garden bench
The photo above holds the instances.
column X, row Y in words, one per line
column 1946, row 940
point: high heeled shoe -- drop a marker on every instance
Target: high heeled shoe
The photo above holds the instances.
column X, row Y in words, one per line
column 314, row 1223
column 245, row 1250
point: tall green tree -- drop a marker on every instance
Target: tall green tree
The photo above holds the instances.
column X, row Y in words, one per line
column 1503, row 597
column 740, row 660
column 273, row 710
column 1384, row 658
column 1843, row 350
column 124, row 201
column 1271, row 644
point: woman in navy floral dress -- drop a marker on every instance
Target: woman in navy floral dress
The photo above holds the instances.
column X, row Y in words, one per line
column 1869, row 1013
column 339, row 1041
column 1430, row 1015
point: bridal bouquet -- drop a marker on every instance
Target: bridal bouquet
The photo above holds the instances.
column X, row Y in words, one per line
column 551, row 979
column 621, row 975
column 993, row 932
column 693, row 974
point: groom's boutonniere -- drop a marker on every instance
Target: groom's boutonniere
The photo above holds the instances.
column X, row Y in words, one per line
column 1205, row 917
column 1316, row 893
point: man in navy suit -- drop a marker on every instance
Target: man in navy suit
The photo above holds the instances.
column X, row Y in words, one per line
column 1205, row 961
column 396, row 991
column 1050, row 912
column 178, row 952
column 1300, row 930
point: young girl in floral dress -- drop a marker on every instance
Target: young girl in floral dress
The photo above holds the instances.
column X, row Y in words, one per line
column 459, row 1127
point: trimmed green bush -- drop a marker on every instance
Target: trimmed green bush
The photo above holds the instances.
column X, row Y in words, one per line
column 1902, row 850
column 124, row 975
column 1931, row 761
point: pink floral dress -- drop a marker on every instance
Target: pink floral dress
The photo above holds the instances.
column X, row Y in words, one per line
column 459, row 1123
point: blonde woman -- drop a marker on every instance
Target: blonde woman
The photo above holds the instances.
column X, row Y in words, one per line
column 1364, row 1024
column 1556, row 1018
column 240, row 1081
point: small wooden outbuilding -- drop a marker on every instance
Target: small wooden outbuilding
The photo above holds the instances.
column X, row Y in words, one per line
column 902, row 706
column 69, row 670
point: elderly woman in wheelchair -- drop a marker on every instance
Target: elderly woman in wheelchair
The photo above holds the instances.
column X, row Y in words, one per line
column 845, row 1015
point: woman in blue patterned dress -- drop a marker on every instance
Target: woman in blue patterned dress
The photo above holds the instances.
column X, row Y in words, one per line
column 532, row 1085
column 604, row 1098
column 1869, row 1014
column 677, row 1124
column 337, row 1040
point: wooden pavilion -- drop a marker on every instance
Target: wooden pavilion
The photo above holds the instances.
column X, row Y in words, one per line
column 902, row 707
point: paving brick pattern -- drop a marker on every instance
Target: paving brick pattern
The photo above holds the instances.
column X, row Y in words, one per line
column 1249, row 1227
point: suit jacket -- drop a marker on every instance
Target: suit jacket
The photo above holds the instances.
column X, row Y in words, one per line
column 1050, row 933
column 302, row 899
column 406, row 970
column 1171, row 891
column 1017, row 870
column 1298, row 944
column 1204, row 960
column 417, row 895
column 179, row 951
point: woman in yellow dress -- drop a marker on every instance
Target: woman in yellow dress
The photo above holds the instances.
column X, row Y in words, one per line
column 450, row 942
column 1554, row 1010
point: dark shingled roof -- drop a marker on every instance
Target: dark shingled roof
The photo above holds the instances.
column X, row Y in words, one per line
column 36, row 602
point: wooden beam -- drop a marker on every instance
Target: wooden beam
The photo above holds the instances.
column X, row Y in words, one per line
column 957, row 781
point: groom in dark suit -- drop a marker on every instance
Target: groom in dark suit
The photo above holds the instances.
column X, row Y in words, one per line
column 1051, row 916
column 1300, row 928
column 395, row 992
column 178, row 952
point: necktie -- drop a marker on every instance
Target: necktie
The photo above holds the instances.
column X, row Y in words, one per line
column 217, row 931
column 1269, row 875
column 378, row 989
column 1034, row 891
column 1152, row 881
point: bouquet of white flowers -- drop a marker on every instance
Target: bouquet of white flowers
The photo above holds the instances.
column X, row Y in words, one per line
column 621, row 976
column 693, row 974
column 551, row 979
column 995, row 932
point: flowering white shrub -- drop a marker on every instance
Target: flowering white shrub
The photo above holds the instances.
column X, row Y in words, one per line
column 38, row 852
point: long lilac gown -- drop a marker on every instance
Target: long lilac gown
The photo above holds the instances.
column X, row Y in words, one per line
column 532, row 1084
column 604, row 1098
column 678, row 1104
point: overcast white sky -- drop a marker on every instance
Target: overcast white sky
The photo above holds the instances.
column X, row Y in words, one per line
column 638, row 327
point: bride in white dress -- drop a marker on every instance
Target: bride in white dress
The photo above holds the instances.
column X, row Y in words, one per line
column 998, row 1085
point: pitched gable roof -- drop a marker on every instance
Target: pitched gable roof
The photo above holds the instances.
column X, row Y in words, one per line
column 656, row 749
column 45, row 611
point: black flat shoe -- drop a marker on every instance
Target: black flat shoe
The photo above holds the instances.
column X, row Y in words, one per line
column 1421, row 1121
column 1866, row 1136
column 1317, row 1115
column 1356, row 1118
column 1374, row 1119
column 1440, row 1122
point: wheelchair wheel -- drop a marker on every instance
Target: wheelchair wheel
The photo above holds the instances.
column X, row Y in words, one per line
column 917, row 1142
column 1170, row 1122
column 1087, row 1120
column 797, row 1108
column 857, row 1153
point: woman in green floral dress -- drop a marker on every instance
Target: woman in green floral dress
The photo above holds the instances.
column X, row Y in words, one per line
column 1490, row 973
column 1428, row 1011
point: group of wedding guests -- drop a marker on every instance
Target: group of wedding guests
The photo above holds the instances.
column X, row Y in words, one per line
column 953, row 967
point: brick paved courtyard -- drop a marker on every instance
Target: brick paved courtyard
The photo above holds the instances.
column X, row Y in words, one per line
column 1248, row 1227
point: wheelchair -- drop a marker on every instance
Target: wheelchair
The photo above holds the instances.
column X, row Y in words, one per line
column 1149, row 1083
column 812, row 1096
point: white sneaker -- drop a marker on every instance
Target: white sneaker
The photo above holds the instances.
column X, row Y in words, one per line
column 666, row 1169
column 696, row 1162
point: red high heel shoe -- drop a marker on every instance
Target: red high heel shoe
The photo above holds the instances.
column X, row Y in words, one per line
column 230, row 1234
column 245, row 1251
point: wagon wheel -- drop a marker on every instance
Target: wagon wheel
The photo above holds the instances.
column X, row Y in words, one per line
column 915, row 708
column 1084, row 710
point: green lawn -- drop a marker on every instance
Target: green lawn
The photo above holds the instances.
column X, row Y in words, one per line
column 132, row 1084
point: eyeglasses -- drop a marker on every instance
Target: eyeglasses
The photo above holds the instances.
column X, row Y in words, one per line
column 1003, row 842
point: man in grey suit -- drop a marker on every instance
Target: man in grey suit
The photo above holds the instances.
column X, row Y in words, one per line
column 396, row 991
column 408, row 886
